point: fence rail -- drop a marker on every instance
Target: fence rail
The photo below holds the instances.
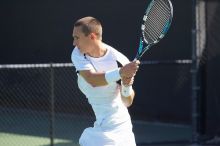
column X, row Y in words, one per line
column 43, row 100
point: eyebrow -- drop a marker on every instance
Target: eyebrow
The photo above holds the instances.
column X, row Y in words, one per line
column 75, row 37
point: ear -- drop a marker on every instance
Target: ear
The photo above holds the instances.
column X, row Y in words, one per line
column 93, row 36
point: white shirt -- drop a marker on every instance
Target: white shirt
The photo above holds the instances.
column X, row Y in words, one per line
column 105, row 100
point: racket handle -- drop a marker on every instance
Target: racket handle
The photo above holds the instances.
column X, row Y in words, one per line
column 140, row 49
column 136, row 58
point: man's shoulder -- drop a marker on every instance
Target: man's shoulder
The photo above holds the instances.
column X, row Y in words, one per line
column 76, row 55
column 119, row 56
column 75, row 51
column 112, row 49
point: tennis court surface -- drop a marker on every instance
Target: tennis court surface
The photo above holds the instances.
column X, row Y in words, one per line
column 30, row 128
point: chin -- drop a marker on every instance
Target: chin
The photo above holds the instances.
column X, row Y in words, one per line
column 80, row 49
column 83, row 52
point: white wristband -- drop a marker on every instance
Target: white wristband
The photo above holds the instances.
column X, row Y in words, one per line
column 112, row 75
column 126, row 91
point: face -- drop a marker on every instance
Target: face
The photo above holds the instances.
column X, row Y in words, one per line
column 81, row 41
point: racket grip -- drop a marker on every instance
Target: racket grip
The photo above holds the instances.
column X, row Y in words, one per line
column 137, row 57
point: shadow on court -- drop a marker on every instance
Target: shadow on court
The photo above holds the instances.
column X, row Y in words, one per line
column 31, row 128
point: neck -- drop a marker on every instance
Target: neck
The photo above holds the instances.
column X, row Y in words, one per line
column 99, row 50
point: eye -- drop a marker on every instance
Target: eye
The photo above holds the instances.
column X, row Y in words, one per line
column 75, row 38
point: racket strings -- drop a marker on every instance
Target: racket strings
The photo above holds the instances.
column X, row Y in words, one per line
column 160, row 6
column 157, row 18
column 156, row 24
column 156, row 21
column 160, row 11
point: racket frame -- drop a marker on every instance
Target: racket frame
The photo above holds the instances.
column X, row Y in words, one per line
column 144, row 45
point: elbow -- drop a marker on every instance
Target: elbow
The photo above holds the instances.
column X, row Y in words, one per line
column 128, row 101
column 91, row 81
column 128, row 104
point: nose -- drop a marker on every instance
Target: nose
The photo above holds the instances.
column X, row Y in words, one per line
column 74, row 42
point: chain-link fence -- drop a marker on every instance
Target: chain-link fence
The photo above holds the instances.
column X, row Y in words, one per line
column 41, row 105
column 35, row 99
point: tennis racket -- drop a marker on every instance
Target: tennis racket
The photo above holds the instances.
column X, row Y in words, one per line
column 156, row 22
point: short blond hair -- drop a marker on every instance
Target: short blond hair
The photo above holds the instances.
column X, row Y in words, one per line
column 89, row 25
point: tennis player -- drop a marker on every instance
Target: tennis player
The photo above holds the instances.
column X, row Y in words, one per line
column 106, row 84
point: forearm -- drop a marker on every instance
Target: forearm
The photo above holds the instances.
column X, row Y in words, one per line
column 104, row 78
column 127, row 94
column 101, row 79
column 95, row 79
column 129, row 99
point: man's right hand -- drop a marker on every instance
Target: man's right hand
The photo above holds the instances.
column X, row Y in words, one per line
column 130, row 69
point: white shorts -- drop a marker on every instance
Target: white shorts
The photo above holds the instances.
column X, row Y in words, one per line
column 120, row 135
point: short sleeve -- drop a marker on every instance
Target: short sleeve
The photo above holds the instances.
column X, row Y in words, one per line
column 121, row 58
column 79, row 60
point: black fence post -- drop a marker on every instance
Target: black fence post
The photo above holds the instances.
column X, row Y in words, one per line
column 51, row 131
column 196, row 114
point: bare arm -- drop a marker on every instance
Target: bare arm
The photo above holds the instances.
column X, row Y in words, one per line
column 94, row 78
column 127, row 83
column 98, row 78
column 128, row 100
